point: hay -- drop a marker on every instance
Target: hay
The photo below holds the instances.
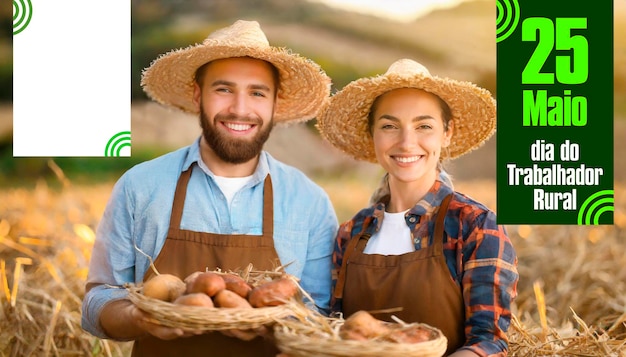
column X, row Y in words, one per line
column 565, row 341
column 315, row 335
column 572, row 288
column 219, row 319
column 577, row 274
column 44, row 252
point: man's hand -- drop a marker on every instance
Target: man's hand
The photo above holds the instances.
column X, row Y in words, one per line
column 144, row 322
column 122, row 320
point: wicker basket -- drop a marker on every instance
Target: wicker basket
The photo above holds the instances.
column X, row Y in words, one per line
column 317, row 335
column 214, row 318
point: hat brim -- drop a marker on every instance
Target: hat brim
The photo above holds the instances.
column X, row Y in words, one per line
column 345, row 121
column 303, row 90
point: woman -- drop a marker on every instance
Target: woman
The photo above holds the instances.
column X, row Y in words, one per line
column 422, row 251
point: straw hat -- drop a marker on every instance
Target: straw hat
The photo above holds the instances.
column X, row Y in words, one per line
column 303, row 90
column 344, row 122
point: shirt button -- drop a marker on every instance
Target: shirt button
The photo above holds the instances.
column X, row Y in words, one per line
column 412, row 219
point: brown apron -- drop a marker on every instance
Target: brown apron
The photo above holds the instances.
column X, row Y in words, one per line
column 419, row 282
column 187, row 251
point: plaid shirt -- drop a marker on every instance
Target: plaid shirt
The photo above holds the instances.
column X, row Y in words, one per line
column 479, row 255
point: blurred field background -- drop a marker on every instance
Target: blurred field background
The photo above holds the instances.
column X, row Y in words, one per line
column 572, row 289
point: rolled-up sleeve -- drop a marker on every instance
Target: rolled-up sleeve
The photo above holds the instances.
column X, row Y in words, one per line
column 489, row 283
column 93, row 303
column 112, row 261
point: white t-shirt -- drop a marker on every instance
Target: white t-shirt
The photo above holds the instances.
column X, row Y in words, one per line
column 393, row 238
column 230, row 185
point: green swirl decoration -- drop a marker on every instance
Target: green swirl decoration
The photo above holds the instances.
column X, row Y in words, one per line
column 22, row 14
column 117, row 143
column 507, row 18
column 594, row 206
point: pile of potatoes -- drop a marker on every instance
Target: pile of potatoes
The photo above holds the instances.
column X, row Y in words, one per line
column 213, row 289
column 362, row 326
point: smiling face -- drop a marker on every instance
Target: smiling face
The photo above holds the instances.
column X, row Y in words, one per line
column 236, row 98
column 409, row 134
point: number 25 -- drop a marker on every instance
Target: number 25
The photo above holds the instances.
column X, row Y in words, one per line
column 567, row 71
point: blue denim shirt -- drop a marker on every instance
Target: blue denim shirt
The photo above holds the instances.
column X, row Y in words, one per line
column 139, row 211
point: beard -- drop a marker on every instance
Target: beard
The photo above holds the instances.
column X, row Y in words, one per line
column 231, row 150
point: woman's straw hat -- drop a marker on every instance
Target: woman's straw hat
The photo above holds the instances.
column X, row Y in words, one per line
column 344, row 123
column 303, row 90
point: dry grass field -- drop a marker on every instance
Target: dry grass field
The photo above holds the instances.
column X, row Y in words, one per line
column 572, row 289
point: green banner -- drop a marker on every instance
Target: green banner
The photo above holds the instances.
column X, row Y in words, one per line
column 555, row 112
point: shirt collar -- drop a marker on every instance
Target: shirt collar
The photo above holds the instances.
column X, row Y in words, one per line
column 432, row 200
column 193, row 156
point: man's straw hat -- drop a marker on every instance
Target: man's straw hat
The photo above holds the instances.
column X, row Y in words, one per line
column 303, row 90
column 344, row 122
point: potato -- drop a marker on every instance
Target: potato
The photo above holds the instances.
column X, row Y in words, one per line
column 414, row 334
column 191, row 277
column 206, row 282
column 230, row 299
column 273, row 293
column 352, row 335
column 236, row 284
column 195, row 299
column 165, row 287
column 362, row 326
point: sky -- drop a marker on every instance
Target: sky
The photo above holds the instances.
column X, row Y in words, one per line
column 400, row 10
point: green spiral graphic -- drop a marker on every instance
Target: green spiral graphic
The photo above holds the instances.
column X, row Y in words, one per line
column 507, row 18
column 598, row 203
column 22, row 13
column 117, row 143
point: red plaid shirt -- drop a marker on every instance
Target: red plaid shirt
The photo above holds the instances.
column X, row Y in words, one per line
column 478, row 253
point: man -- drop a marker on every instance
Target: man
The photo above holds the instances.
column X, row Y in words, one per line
column 221, row 202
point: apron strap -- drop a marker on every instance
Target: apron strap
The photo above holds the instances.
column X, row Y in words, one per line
column 181, row 193
column 179, row 198
column 439, row 224
column 341, row 278
column 268, row 208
